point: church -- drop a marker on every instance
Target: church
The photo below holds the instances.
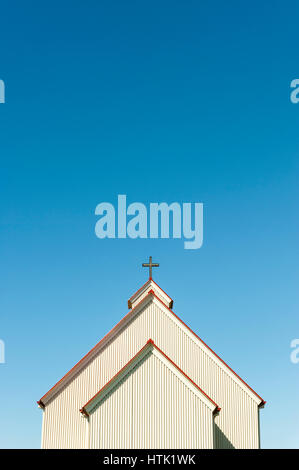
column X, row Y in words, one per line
column 151, row 383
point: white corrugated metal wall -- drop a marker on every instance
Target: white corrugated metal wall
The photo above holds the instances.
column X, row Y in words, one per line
column 237, row 423
column 151, row 409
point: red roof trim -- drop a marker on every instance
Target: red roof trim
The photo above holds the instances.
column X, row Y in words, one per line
column 91, row 350
column 223, row 362
column 142, row 287
column 217, row 408
column 263, row 402
column 171, row 301
column 150, row 341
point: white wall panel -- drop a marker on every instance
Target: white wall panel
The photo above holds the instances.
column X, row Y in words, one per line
column 237, row 423
column 151, row 409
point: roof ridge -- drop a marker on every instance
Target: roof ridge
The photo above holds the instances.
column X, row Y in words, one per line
column 122, row 369
column 123, row 319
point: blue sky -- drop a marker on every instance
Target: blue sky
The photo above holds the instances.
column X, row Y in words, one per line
column 161, row 101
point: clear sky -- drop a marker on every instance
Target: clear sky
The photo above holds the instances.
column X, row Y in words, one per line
column 161, row 101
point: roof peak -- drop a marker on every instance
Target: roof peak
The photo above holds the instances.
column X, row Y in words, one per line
column 148, row 286
column 150, row 345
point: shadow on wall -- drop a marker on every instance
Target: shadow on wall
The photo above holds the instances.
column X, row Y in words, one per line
column 220, row 439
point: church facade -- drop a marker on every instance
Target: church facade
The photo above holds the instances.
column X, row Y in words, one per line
column 151, row 382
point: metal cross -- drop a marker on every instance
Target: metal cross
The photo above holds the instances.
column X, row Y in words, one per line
column 150, row 265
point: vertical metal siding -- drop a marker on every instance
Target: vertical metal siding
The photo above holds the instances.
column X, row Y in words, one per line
column 236, row 425
column 151, row 409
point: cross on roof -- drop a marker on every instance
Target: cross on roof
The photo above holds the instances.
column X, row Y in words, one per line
column 150, row 265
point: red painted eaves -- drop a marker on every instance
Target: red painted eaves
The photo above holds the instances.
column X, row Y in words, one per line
column 96, row 346
column 137, row 292
column 150, row 341
column 263, row 402
column 142, row 287
column 151, row 292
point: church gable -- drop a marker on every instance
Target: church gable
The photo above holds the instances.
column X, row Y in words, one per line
column 147, row 404
column 237, row 424
column 150, row 286
column 151, row 317
column 150, row 348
